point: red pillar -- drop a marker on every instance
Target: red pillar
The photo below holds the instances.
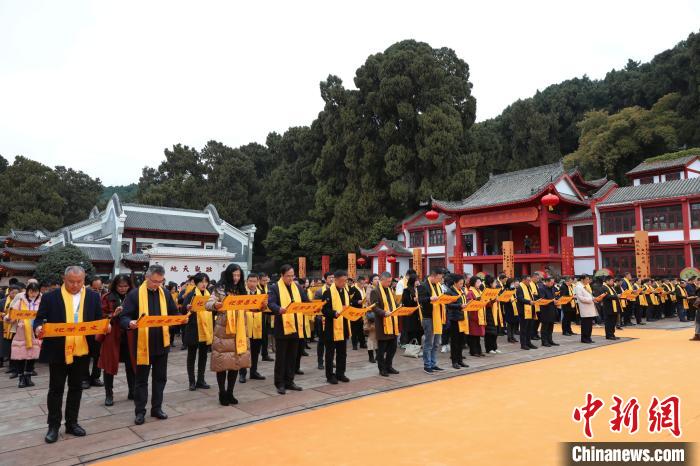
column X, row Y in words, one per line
column 687, row 253
column 479, row 243
column 381, row 262
column 325, row 264
column 458, row 252
column 638, row 217
column 544, row 230
column 526, row 268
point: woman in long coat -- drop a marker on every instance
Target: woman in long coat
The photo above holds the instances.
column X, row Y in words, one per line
column 115, row 345
column 230, row 350
column 410, row 325
column 25, row 345
column 477, row 324
column 197, row 336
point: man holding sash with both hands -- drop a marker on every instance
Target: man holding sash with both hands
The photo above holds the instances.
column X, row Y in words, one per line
column 152, row 344
column 337, row 328
column 68, row 356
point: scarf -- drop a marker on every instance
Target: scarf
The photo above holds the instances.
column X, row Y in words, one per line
column 254, row 321
column 535, row 294
column 654, row 298
column 290, row 322
column 631, row 288
column 481, row 313
column 612, row 294
column 526, row 295
column 439, row 314
column 337, row 304
column 143, row 357
column 75, row 346
column 205, row 321
column 684, row 296
column 496, row 314
column 7, row 329
column 463, row 324
column 391, row 324
column 27, row 324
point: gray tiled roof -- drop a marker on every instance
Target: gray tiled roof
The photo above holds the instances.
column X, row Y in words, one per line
column 393, row 244
column 604, row 189
column 75, row 226
column 666, row 190
column 26, row 252
column 19, row 266
column 662, row 164
column 583, row 215
column 136, row 258
column 26, row 237
column 159, row 221
column 508, row 188
column 97, row 253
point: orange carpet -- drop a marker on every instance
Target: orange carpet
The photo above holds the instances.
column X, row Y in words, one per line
column 512, row 415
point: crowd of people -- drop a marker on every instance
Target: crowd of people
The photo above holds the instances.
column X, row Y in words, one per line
column 231, row 342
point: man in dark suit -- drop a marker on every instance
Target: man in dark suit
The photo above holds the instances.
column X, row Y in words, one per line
column 611, row 307
column 524, row 298
column 386, row 327
column 53, row 310
column 157, row 348
column 336, row 345
column 287, row 344
column 548, row 313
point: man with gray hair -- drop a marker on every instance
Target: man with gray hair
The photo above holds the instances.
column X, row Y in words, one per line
column 152, row 344
column 67, row 356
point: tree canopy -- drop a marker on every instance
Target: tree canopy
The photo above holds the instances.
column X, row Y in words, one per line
column 54, row 263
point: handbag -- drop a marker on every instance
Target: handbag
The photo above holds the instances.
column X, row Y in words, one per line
column 413, row 350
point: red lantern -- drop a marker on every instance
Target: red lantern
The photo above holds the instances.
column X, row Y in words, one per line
column 391, row 259
column 550, row 200
column 432, row 215
column 361, row 261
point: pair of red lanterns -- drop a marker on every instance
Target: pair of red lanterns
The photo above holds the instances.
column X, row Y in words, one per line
column 362, row 261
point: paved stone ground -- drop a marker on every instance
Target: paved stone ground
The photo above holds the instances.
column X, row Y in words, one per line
column 111, row 430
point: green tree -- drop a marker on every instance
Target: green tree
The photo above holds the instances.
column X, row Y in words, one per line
column 54, row 263
column 79, row 191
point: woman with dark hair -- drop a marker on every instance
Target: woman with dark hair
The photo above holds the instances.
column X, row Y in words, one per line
column 494, row 320
column 459, row 325
column 411, row 328
column 477, row 319
column 25, row 346
column 115, row 345
column 230, row 346
column 198, row 332
column 511, row 312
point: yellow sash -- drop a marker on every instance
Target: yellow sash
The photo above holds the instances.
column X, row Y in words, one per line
column 496, row 313
column 684, row 295
column 205, row 322
column 642, row 297
column 463, row 324
column 630, row 287
column 439, row 314
column 27, row 324
column 337, row 304
column 481, row 313
column 143, row 357
column 75, row 346
column 535, row 294
column 526, row 307
column 292, row 322
column 391, row 324
column 254, row 322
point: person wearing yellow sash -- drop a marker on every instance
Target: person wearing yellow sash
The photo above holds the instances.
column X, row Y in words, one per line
column 255, row 328
column 434, row 317
column 568, row 311
column 8, row 330
column 25, row 346
column 199, row 332
column 682, row 305
column 152, row 344
column 288, row 328
column 67, row 356
column 386, row 326
column 319, row 320
column 631, row 308
column 477, row 319
column 494, row 318
column 357, row 297
column 458, row 322
column 535, row 286
column 526, row 311
column 230, row 350
column 337, row 329
column 586, row 307
column 510, row 310
column 548, row 312
column 611, row 307
column 267, row 338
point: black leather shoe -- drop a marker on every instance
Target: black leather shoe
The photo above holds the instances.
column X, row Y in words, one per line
column 321, row 367
column 299, row 372
column 461, row 364
column 97, row 383
column 193, row 386
column 267, row 359
column 158, row 413
column 51, row 435
column 14, row 375
column 293, row 386
column 332, row 380
column 553, row 344
column 232, row 399
column 456, row 366
column 436, row 368
column 140, row 419
column 34, row 374
column 85, row 384
column 343, row 378
column 384, row 373
column 391, row 370
column 547, row 345
column 281, row 390
column 109, row 399
column 256, row 376
column 224, row 399
column 241, row 378
column 202, row 384
column 22, row 382
column 535, row 338
column 524, row 347
column 75, row 429
column 304, row 353
column 531, row 346
column 28, row 380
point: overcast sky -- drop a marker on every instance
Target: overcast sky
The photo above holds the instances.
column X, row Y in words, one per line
column 104, row 87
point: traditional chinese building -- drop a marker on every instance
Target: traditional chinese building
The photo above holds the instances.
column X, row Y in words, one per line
column 125, row 238
column 588, row 224
column 20, row 254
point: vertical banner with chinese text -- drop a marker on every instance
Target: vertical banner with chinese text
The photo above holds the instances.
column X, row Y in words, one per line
column 325, row 264
column 302, row 267
column 641, row 253
column 352, row 265
column 508, row 260
column 418, row 262
column 567, row 255
column 381, row 262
